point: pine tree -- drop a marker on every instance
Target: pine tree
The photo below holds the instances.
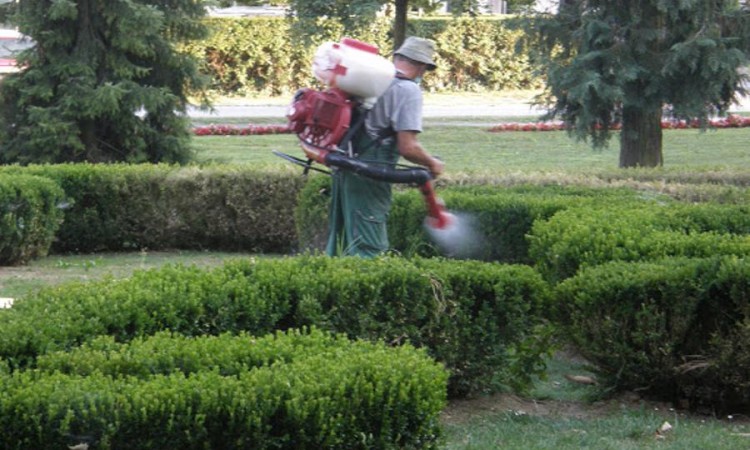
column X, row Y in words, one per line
column 631, row 62
column 103, row 83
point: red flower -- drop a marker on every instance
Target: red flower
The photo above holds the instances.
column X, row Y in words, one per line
column 229, row 130
column 731, row 121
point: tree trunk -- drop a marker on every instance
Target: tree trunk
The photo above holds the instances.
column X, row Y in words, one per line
column 641, row 138
column 399, row 23
column 90, row 141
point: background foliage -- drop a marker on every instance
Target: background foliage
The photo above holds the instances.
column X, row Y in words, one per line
column 102, row 83
column 245, row 57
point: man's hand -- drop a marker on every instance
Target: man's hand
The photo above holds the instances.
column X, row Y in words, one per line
column 436, row 167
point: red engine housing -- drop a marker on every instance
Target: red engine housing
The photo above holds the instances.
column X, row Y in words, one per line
column 320, row 118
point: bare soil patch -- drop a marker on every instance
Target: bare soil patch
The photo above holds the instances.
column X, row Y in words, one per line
column 462, row 411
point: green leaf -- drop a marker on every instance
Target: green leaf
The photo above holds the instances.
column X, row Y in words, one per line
column 63, row 9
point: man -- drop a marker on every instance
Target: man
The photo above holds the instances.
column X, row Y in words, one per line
column 359, row 205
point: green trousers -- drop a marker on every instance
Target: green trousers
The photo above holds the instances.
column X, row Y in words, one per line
column 358, row 216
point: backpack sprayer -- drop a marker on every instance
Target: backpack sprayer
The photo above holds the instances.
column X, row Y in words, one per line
column 356, row 76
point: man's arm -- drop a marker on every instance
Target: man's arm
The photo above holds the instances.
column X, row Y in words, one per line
column 410, row 148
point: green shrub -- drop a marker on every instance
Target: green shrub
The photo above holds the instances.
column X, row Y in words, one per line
column 480, row 55
column 130, row 207
column 499, row 221
column 251, row 56
column 587, row 236
column 481, row 320
column 501, row 217
column 30, row 214
column 674, row 328
column 166, row 352
column 184, row 299
column 325, row 392
column 311, row 213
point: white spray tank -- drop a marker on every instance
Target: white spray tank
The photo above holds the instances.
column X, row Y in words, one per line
column 355, row 67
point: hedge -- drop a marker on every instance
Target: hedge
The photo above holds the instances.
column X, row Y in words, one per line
column 676, row 329
column 287, row 391
column 253, row 56
column 240, row 208
column 30, row 214
column 589, row 236
column 479, row 319
column 130, row 207
column 499, row 216
column 165, row 352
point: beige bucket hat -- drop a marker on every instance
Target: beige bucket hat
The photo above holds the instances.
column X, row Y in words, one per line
column 419, row 49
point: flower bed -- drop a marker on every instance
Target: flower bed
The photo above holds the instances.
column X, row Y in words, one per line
column 248, row 130
column 731, row 121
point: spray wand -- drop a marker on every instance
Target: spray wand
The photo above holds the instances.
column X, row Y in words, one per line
column 437, row 216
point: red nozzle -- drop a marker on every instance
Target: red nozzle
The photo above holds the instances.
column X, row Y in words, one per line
column 438, row 217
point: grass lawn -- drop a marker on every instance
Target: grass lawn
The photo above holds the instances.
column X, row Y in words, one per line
column 56, row 269
column 621, row 427
column 558, row 413
column 473, row 149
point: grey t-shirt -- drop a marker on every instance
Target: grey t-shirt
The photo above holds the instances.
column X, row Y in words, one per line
column 398, row 109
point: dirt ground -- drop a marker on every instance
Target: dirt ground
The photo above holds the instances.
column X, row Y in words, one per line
column 461, row 411
column 573, row 377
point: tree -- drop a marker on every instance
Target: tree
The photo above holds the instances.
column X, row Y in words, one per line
column 103, row 83
column 399, row 23
column 360, row 13
column 351, row 14
column 401, row 15
column 629, row 62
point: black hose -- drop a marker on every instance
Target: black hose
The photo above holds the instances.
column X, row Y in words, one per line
column 414, row 175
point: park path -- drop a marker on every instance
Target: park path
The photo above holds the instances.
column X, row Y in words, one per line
column 487, row 106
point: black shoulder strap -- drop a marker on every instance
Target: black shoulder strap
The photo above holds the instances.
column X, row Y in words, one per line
column 356, row 124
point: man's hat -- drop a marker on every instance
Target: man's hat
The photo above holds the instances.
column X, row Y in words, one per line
column 418, row 49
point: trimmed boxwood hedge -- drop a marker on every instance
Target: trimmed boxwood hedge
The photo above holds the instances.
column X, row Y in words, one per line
column 121, row 207
column 502, row 217
column 588, row 236
column 287, row 391
column 30, row 214
column 482, row 320
column 118, row 207
column 677, row 329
